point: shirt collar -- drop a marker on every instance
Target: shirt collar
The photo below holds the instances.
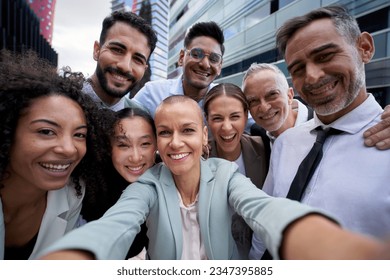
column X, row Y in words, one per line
column 357, row 119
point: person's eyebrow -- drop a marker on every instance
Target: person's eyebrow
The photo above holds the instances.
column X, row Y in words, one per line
column 314, row 52
column 122, row 46
column 54, row 123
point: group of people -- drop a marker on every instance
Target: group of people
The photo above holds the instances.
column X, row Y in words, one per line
column 189, row 169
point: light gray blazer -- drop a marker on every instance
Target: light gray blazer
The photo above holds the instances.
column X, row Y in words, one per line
column 61, row 215
column 223, row 191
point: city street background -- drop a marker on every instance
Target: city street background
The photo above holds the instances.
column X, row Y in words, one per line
column 77, row 24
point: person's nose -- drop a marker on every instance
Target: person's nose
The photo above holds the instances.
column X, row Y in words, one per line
column 125, row 64
column 135, row 155
column 176, row 141
column 313, row 73
column 205, row 62
column 66, row 146
column 226, row 125
column 264, row 107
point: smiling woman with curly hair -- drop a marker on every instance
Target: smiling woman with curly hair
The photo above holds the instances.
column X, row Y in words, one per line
column 52, row 149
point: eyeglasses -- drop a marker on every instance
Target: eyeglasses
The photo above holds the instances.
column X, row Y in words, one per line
column 198, row 54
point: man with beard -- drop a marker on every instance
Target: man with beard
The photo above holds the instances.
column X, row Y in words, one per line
column 274, row 108
column 325, row 53
column 125, row 45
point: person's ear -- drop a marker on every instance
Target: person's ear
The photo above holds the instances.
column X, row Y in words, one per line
column 205, row 135
column 96, row 50
column 181, row 57
column 290, row 95
column 366, row 46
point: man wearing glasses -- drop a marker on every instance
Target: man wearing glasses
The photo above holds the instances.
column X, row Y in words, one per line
column 201, row 60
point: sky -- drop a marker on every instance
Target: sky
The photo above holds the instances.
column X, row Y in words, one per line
column 77, row 25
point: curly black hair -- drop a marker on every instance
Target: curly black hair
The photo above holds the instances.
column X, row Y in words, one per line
column 26, row 77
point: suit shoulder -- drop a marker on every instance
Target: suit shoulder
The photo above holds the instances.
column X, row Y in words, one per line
column 221, row 165
column 256, row 142
column 153, row 174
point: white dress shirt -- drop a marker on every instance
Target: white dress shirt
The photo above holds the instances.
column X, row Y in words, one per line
column 352, row 180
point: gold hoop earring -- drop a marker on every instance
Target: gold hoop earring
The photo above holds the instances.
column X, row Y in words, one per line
column 157, row 157
column 206, row 152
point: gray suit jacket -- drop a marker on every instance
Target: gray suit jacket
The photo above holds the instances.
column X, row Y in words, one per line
column 223, row 191
column 253, row 155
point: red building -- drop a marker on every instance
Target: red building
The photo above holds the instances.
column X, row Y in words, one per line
column 44, row 9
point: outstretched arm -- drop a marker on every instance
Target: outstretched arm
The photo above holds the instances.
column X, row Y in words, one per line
column 69, row 255
column 315, row 237
column 379, row 134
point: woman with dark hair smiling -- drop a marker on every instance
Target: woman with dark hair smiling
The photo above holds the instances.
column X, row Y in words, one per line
column 132, row 151
column 226, row 111
column 50, row 153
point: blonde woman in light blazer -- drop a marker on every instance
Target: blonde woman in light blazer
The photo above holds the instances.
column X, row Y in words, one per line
column 188, row 203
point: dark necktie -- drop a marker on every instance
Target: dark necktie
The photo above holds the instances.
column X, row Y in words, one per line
column 306, row 170
column 309, row 164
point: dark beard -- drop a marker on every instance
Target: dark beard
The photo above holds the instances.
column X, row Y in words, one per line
column 104, row 84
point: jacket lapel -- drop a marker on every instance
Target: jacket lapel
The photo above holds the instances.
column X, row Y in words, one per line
column 253, row 163
column 173, row 208
column 53, row 224
column 206, row 190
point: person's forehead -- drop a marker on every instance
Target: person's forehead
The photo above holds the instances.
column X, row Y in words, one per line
column 124, row 31
column 258, row 78
column 320, row 31
column 205, row 43
column 182, row 108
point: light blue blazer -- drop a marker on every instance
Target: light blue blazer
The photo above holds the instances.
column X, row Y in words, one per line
column 61, row 215
column 223, row 191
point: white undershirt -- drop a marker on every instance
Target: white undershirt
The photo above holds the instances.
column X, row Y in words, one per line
column 241, row 164
column 193, row 246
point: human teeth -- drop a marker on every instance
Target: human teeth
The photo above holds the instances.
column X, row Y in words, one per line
column 135, row 168
column 179, row 156
column 228, row 137
column 203, row 74
column 118, row 77
column 267, row 117
column 59, row 167
column 323, row 89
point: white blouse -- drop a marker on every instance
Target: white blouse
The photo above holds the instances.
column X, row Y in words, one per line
column 193, row 246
